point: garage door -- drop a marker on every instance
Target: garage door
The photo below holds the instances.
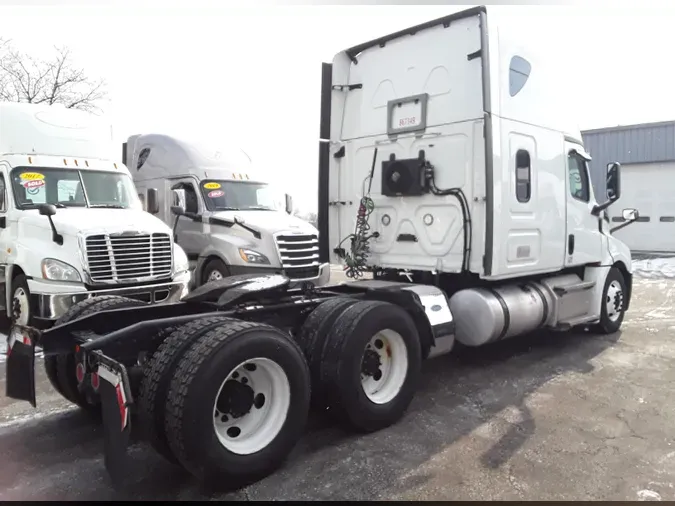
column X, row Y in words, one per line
column 650, row 188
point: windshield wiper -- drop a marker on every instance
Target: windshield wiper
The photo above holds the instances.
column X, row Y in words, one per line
column 259, row 208
column 227, row 209
column 108, row 206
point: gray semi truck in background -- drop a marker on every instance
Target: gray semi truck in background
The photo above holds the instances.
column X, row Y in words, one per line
column 235, row 222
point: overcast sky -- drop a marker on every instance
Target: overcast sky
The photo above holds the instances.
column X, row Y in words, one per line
column 251, row 75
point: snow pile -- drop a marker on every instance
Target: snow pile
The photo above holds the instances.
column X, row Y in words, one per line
column 654, row 268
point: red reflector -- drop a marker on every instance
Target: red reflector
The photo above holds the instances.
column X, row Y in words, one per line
column 79, row 372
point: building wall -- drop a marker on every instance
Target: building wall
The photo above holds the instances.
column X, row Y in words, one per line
column 634, row 144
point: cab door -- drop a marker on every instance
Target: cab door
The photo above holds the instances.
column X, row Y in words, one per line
column 584, row 239
column 189, row 234
column 5, row 232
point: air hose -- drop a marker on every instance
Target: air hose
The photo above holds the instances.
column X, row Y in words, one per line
column 357, row 258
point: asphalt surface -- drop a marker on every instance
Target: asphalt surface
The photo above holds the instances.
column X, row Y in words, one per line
column 542, row 417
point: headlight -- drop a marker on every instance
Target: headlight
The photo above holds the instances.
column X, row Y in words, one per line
column 180, row 259
column 56, row 270
column 253, row 257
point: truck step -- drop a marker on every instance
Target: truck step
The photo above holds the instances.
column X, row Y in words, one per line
column 561, row 290
column 2, row 286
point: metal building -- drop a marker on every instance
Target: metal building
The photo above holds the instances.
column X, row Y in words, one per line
column 647, row 156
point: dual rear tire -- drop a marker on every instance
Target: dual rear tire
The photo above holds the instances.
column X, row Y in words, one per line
column 61, row 370
column 225, row 397
column 228, row 398
column 365, row 359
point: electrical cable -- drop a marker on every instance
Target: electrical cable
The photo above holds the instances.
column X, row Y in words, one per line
column 464, row 206
column 357, row 258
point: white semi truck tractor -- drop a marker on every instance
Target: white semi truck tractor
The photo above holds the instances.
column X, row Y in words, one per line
column 445, row 170
column 235, row 222
column 71, row 224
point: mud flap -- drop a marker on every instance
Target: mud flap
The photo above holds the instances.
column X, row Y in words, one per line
column 115, row 400
column 20, row 367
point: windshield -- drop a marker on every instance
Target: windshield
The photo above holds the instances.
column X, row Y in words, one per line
column 73, row 188
column 221, row 195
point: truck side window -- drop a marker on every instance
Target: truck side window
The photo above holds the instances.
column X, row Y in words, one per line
column 190, row 196
column 578, row 177
column 3, row 194
column 519, row 72
column 523, row 176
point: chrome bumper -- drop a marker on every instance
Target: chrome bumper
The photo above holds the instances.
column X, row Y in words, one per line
column 50, row 306
column 322, row 279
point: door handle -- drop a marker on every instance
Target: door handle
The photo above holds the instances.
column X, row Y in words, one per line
column 570, row 244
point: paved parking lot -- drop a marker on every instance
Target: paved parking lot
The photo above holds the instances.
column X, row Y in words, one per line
column 547, row 416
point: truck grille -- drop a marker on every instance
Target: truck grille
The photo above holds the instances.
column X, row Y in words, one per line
column 299, row 255
column 120, row 257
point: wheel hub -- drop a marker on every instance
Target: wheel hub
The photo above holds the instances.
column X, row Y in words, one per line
column 251, row 407
column 371, row 363
column 20, row 306
column 16, row 309
column 614, row 301
column 236, row 399
column 215, row 275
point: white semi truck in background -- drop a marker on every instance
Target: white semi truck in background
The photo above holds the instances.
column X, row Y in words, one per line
column 71, row 224
column 446, row 171
column 234, row 222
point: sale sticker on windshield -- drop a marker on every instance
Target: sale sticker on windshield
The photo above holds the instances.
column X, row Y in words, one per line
column 31, row 176
column 216, row 193
column 33, row 184
column 212, row 186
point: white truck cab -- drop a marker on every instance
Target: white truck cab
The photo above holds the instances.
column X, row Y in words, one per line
column 71, row 223
column 231, row 220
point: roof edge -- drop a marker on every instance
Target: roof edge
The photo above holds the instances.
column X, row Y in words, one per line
column 636, row 126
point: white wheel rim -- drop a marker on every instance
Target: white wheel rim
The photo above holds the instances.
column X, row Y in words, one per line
column 614, row 301
column 382, row 383
column 20, row 306
column 248, row 433
column 215, row 275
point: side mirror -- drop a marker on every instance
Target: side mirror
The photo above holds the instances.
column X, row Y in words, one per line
column 289, row 204
column 152, row 201
column 178, row 202
column 47, row 209
column 613, row 188
column 630, row 214
column 613, row 181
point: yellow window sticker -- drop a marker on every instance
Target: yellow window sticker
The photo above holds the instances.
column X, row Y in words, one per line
column 31, row 176
column 212, row 186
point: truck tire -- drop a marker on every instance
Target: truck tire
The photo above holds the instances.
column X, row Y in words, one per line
column 60, row 369
column 157, row 374
column 312, row 338
column 613, row 304
column 21, row 311
column 371, row 365
column 214, row 270
column 238, row 403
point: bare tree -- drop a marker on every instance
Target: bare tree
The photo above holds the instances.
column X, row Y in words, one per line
column 53, row 81
column 308, row 216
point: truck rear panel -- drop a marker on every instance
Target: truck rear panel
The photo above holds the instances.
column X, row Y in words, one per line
column 418, row 90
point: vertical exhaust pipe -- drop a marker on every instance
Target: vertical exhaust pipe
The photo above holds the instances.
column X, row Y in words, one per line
column 324, row 161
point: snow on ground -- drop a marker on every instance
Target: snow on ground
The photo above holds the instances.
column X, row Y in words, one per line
column 645, row 268
column 654, row 268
